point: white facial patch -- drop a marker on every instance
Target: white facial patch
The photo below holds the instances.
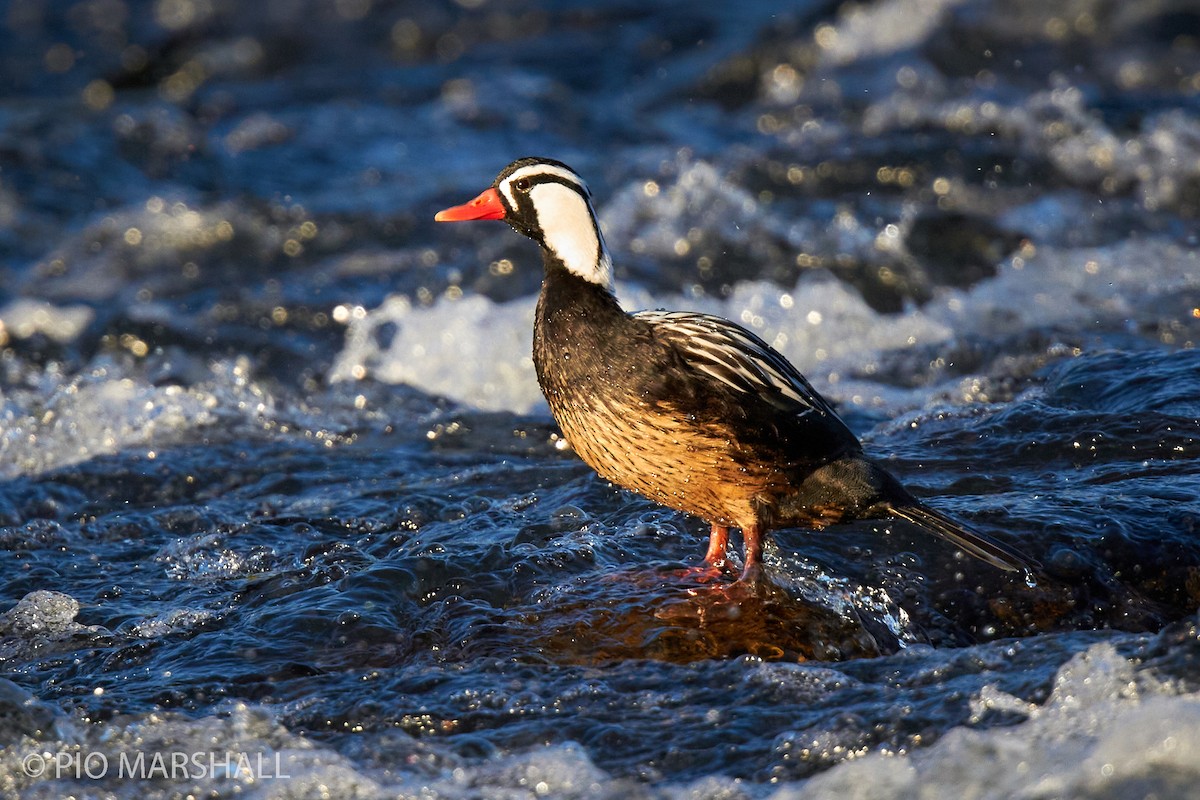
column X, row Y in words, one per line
column 570, row 232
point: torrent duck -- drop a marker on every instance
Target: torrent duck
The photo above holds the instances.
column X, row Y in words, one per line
column 689, row 409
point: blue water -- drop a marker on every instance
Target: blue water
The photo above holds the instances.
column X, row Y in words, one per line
column 277, row 480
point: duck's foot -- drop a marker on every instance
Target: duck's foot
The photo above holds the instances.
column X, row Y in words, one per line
column 718, row 542
column 753, row 586
column 752, row 573
column 706, row 573
column 752, row 559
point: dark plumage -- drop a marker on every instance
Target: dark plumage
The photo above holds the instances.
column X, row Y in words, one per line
column 688, row 409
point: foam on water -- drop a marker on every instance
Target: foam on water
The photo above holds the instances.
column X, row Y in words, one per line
column 1107, row 729
column 477, row 352
column 881, row 29
column 42, row 622
column 23, row 319
column 450, row 607
column 470, row 349
column 108, row 408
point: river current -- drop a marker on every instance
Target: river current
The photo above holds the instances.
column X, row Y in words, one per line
column 284, row 515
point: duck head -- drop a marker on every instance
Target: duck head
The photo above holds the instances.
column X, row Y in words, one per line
column 547, row 201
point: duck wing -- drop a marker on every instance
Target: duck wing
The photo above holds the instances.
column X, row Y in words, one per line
column 740, row 369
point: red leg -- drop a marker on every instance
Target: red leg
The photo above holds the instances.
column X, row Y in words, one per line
column 753, row 551
column 718, row 538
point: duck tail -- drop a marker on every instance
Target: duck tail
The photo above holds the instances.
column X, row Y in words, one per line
column 977, row 544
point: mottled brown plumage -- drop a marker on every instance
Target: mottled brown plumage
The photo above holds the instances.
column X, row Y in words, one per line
column 687, row 409
column 612, row 401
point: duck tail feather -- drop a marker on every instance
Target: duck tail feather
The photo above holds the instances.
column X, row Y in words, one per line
column 972, row 542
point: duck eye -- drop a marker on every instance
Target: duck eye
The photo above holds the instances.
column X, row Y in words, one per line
column 522, row 184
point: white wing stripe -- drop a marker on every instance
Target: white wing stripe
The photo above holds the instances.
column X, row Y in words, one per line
column 721, row 376
column 732, row 355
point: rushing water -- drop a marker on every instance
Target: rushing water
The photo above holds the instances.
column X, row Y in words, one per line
column 279, row 493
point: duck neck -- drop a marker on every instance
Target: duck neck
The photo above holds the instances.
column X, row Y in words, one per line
column 566, row 292
column 577, row 323
column 573, row 311
column 572, row 240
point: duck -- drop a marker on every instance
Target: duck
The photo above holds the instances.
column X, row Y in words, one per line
column 689, row 409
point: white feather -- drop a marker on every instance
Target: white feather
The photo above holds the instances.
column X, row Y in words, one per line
column 541, row 168
column 569, row 229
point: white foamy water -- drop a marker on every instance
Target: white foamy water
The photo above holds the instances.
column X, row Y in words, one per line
column 472, row 350
column 1107, row 730
column 106, row 409
column 478, row 352
column 191, row 569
